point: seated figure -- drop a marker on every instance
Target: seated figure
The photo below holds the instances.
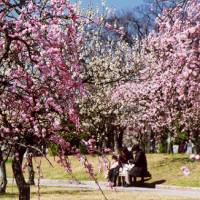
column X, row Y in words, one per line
column 117, row 163
column 124, row 156
column 139, row 168
column 114, row 170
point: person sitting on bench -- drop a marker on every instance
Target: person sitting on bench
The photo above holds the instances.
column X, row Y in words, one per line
column 117, row 163
column 113, row 171
column 124, row 156
column 140, row 166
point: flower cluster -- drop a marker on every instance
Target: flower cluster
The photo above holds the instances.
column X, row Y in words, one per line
column 166, row 92
column 40, row 74
column 194, row 157
column 185, row 170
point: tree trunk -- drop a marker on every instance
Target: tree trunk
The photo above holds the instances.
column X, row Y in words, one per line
column 3, row 177
column 31, row 172
column 153, row 145
column 120, row 139
column 169, row 143
column 148, row 143
column 23, row 187
column 116, row 145
column 197, row 142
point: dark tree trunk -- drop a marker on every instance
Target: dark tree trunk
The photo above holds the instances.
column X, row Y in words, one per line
column 116, row 144
column 148, row 143
column 169, row 143
column 120, row 139
column 31, row 172
column 3, row 177
column 153, row 144
column 197, row 141
column 23, row 187
column 103, row 142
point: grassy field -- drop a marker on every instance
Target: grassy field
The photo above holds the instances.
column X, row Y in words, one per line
column 52, row 193
column 164, row 168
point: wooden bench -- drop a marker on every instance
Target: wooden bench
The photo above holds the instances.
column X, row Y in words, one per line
column 121, row 178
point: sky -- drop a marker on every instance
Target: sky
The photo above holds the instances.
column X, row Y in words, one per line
column 115, row 4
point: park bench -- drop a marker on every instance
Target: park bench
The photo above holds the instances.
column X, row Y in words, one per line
column 121, row 178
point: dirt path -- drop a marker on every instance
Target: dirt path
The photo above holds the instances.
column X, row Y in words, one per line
column 161, row 189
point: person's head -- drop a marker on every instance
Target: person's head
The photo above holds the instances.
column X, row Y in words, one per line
column 124, row 150
column 136, row 147
column 114, row 157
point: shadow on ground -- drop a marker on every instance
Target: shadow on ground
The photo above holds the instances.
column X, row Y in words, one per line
column 51, row 191
column 8, row 195
column 149, row 184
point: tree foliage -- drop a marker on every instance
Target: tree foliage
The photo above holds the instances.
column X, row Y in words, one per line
column 39, row 77
column 167, row 92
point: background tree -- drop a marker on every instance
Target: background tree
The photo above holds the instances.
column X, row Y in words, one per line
column 113, row 58
column 4, row 153
column 107, row 60
column 139, row 21
column 168, row 88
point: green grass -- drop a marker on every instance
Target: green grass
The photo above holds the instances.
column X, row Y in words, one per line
column 55, row 193
column 163, row 167
column 167, row 167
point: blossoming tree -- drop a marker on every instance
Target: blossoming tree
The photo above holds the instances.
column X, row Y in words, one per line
column 167, row 93
column 39, row 77
column 108, row 61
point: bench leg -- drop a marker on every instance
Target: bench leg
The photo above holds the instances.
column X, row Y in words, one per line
column 123, row 180
column 142, row 179
column 132, row 180
column 119, row 181
column 135, row 179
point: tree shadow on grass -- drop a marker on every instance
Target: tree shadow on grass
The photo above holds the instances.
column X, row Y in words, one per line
column 9, row 195
column 62, row 191
column 149, row 184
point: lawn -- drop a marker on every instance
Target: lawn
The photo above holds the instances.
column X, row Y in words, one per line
column 164, row 168
column 53, row 193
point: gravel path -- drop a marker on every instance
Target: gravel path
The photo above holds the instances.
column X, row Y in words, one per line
column 160, row 189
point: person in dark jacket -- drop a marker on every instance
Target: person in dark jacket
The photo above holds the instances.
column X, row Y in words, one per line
column 140, row 165
column 124, row 156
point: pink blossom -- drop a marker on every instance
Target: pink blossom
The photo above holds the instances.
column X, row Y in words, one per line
column 197, row 157
column 185, row 170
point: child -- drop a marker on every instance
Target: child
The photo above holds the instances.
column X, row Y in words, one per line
column 114, row 170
